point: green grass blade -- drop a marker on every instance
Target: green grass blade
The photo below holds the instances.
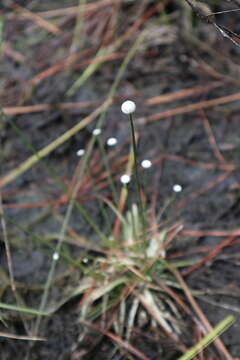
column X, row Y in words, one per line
column 209, row 338
column 23, row 309
column 32, row 160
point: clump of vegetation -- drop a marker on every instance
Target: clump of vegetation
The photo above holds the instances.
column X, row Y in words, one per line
column 109, row 242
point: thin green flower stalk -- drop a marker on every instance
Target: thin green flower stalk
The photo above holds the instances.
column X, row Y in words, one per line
column 128, row 107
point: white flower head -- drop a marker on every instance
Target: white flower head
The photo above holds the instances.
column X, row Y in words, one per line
column 55, row 256
column 128, row 107
column 80, row 152
column 146, row 164
column 125, row 179
column 96, row 132
column 177, row 188
column 112, row 141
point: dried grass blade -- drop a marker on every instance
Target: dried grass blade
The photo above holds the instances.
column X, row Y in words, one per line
column 21, row 337
column 218, row 343
column 192, row 107
column 183, row 93
column 118, row 340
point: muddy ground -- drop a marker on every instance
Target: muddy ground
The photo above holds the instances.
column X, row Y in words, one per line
column 197, row 149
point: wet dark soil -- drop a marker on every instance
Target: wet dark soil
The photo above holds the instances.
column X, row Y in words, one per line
column 186, row 53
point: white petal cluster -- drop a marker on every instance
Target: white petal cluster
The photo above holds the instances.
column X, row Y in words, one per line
column 112, row 141
column 146, row 164
column 125, row 179
column 96, row 132
column 177, row 188
column 55, row 256
column 128, row 107
column 80, row 152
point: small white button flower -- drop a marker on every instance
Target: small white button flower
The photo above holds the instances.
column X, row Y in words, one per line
column 80, row 152
column 177, row 188
column 112, row 141
column 146, row 164
column 125, row 179
column 55, row 256
column 128, row 107
column 96, row 132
